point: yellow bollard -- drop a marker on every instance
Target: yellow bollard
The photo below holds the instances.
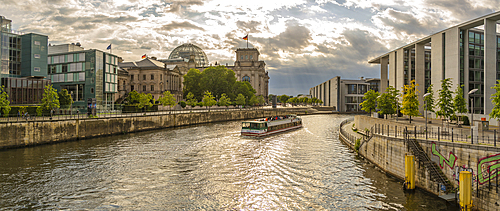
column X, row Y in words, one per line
column 465, row 190
column 409, row 172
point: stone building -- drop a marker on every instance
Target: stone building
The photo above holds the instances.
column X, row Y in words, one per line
column 153, row 77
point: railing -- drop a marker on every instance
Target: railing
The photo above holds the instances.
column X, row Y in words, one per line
column 117, row 114
column 440, row 134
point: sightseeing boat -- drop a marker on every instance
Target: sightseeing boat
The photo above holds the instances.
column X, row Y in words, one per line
column 271, row 125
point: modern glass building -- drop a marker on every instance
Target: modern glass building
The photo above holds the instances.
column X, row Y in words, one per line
column 186, row 50
column 23, row 64
column 85, row 74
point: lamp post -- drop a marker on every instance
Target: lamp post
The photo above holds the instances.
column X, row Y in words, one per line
column 425, row 107
column 397, row 107
column 471, row 107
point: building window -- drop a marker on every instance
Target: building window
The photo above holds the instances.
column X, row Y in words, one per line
column 37, row 42
column 161, row 78
column 36, row 69
column 65, row 68
column 152, row 87
column 37, row 56
column 251, row 56
column 246, row 57
column 132, row 88
column 152, row 77
column 143, row 77
column 352, row 89
column 241, row 57
column 91, row 90
column 131, row 77
column 144, row 88
column 246, row 78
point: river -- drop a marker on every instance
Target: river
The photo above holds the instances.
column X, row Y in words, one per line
column 204, row 167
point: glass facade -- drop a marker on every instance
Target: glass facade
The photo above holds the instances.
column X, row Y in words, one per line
column 24, row 90
column 186, row 50
column 476, row 69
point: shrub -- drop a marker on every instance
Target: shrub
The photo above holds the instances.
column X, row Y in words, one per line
column 358, row 142
column 465, row 119
column 183, row 104
column 135, row 109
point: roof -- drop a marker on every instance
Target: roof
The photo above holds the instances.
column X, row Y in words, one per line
column 145, row 63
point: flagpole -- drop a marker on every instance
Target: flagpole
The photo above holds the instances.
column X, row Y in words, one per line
column 247, row 40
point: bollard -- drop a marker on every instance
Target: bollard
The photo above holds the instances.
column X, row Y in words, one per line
column 495, row 137
column 415, row 131
column 395, row 131
column 471, row 136
column 465, row 188
column 409, row 172
column 438, row 133
column 452, row 135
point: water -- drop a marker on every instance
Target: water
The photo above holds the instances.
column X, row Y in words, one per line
column 206, row 167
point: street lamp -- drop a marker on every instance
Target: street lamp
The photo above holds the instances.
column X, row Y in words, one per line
column 425, row 107
column 397, row 107
column 472, row 107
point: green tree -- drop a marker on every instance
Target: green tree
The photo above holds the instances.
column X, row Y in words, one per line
column 410, row 100
column 65, row 99
column 260, row 100
column 4, row 102
column 50, row 100
column 208, row 100
column 459, row 104
column 283, row 99
column 191, row 100
column 253, row 100
column 132, row 98
column 224, row 100
column 145, row 101
column 218, row 80
column 429, row 99
column 193, row 83
column 445, row 101
column 387, row 102
column 167, row 99
column 240, row 100
column 370, row 102
column 244, row 88
column 495, row 97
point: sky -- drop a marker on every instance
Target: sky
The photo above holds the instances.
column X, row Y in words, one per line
column 303, row 42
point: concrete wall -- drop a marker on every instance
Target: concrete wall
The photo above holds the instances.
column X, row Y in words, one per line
column 388, row 153
column 41, row 132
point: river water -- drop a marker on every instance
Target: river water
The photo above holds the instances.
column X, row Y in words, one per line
column 204, row 167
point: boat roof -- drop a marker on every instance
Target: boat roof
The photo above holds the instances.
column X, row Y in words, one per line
column 254, row 121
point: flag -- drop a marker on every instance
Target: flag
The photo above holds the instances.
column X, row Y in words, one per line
column 245, row 37
column 109, row 47
column 144, row 56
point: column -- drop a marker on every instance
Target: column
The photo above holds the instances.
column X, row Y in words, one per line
column 392, row 69
column 400, row 70
column 490, row 48
column 383, row 74
column 420, row 74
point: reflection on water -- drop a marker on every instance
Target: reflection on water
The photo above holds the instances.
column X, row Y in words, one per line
column 204, row 167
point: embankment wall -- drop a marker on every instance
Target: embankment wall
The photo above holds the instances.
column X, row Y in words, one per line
column 20, row 134
column 388, row 153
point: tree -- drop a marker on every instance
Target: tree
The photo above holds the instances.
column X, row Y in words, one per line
column 224, row 100
column 193, row 83
column 459, row 104
column 240, row 100
column 4, row 102
column 167, row 99
column 218, row 80
column 387, row 102
column 283, row 99
column 208, row 100
column 191, row 100
column 132, row 98
column 65, row 99
column 244, row 88
column 429, row 99
column 145, row 100
column 253, row 100
column 495, row 97
column 410, row 100
column 445, row 102
column 50, row 100
column 370, row 102
column 260, row 100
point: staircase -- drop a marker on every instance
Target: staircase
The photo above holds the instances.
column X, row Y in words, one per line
column 121, row 99
column 435, row 173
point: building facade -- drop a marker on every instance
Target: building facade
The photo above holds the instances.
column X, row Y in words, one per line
column 85, row 74
column 154, row 77
column 23, row 64
column 467, row 53
column 344, row 95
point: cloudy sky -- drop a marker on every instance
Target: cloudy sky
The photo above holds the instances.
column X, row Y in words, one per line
column 303, row 42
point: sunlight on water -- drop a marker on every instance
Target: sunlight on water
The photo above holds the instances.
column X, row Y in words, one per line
column 203, row 167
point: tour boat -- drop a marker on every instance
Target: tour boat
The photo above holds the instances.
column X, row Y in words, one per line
column 271, row 125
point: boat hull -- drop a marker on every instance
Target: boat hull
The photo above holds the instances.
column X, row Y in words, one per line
column 267, row 133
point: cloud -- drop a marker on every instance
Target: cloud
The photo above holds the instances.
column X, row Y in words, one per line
column 177, row 6
column 180, row 25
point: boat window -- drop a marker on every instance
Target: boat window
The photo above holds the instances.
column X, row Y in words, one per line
column 245, row 124
column 253, row 125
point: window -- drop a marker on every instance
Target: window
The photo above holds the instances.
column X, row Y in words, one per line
column 161, row 78
column 37, row 56
column 37, row 42
column 352, row 89
column 246, row 56
column 251, row 56
column 131, row 87
column 246, row 78
column 114, row 70
column 131, row 77
column 241, row 57
column 152, row 87
column 144, row 88
column 91, row 90
column 81, row 77
column 143, row 77
column 36, row 69
column 152, row 77
column 65, row 68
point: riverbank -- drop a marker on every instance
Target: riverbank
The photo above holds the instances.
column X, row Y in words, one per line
column 22, row 134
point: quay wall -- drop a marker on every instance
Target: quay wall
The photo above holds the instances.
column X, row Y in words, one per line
column 388, row 154
column 21, row 134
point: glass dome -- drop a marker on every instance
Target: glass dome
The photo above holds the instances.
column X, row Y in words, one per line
column 185, row 50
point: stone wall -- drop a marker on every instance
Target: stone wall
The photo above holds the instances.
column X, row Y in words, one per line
column 388, row 154
column 22, row 134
